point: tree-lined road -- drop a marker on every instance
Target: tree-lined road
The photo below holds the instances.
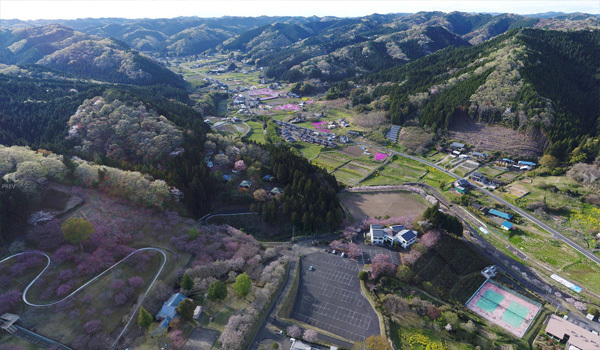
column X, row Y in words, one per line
column 516, row 209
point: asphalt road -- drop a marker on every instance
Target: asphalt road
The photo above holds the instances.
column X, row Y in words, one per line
column 518, row 210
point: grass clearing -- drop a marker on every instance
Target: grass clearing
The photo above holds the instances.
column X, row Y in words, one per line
column 256, row 133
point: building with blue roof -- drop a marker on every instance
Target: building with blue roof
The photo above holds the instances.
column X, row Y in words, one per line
column 522, row 162
column 268, row 178
column 169, row 310
column 500, row 214
column 506, row 225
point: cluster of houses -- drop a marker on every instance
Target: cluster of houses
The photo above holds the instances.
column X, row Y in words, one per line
column 343, row 122
column 290, row 132
column 520, row 165
column 395, row 234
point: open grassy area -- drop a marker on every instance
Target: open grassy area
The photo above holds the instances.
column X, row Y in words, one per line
column 256, row 133
column 221, row 311
column 310, row 150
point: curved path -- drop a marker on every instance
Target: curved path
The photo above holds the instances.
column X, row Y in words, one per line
column 164, row 262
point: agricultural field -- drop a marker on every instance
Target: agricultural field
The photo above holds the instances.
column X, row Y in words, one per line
column 400, row 170
column 382, row 204
column 351, row 173
column 490, row 172
column 331, row 160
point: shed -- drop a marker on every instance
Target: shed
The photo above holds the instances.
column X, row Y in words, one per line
column 246, row 184
column 457, row 145
column 506, row 225
column 500, row 214
column 276, row 190
column 226, row 178
column 268, row 177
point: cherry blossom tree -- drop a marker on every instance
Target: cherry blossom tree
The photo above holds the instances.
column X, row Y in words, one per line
column 240, row 165
column 310, row 335
column 353, row 251
column 381, row 265
column 294, row 331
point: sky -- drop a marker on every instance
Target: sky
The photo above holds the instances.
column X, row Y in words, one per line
column 71, row 9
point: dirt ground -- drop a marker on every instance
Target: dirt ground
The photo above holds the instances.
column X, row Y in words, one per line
column 354, row 151
column 381, row 204
column 517, row 190
column 488, row 138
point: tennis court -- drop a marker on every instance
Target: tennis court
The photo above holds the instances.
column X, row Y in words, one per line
column 504, row 307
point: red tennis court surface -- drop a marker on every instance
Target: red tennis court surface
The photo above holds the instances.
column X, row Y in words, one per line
column 504, row 307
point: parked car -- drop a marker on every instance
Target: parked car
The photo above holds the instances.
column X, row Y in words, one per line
column 311, row 268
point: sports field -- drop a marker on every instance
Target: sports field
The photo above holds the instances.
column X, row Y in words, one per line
column 504, row 307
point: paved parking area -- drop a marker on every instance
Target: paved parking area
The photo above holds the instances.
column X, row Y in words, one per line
column 369, row 253
column 330, row 297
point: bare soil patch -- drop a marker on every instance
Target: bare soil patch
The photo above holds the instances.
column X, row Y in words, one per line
column 488, row 138
column 381, row 204
column 517, row 190
column 354, row 151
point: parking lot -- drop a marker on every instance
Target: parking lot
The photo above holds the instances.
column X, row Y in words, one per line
column 369, row 253
column 330, row 298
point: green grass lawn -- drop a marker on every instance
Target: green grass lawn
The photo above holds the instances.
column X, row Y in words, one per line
column 310, row 150
column 256, row 134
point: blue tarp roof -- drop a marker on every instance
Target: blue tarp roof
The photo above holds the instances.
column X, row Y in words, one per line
column 500, row 214
column 506, row 160
column 226, row 177
column 268, row 177
column 507, row 224
column 522, row 162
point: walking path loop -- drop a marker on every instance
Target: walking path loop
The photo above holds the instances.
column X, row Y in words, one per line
column 164, row 262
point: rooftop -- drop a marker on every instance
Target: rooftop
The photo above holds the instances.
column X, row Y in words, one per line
column 407, row 235
column 578, row 336
column 377, row 232
column 500, row 214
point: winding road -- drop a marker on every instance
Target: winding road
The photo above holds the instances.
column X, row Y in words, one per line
column 516, row 209
column 26, row 301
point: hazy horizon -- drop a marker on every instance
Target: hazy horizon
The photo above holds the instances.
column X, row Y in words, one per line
column 155, row 9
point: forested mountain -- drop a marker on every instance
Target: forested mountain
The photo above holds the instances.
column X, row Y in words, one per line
column 403, row 36
column 527, row 79
column 80, row 55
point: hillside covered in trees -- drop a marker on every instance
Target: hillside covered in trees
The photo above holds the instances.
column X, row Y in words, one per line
column 77, row 54
column 525, row 79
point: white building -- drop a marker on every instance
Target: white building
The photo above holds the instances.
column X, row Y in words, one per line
column 393, row 234
column 376, row 234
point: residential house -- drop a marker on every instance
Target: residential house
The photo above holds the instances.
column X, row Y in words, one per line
column 478, row 177
column 574, row 336
column 462, row 183
column 500, row 214
column 169, row 310
column 457, row 146
column 479, row 155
